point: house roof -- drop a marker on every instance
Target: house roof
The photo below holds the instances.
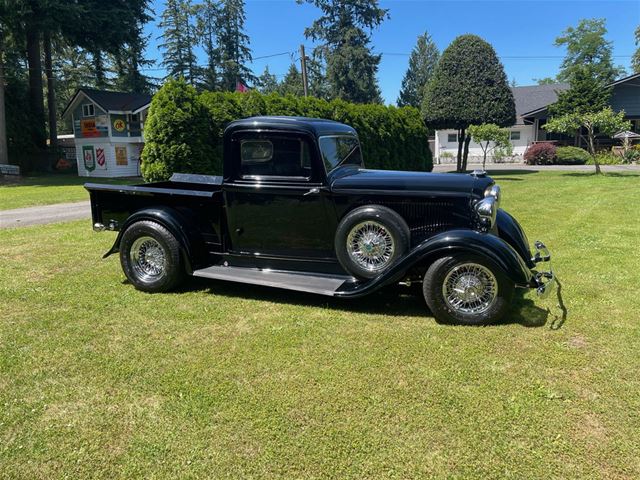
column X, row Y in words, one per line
column 532, row 98
column 112, row 101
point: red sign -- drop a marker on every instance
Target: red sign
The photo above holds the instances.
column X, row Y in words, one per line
column 100, row 159
column 88, row 128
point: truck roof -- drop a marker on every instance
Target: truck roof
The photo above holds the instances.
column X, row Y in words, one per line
column 315, row 126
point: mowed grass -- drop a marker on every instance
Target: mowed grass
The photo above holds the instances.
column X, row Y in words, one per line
column 98, row 380
column 48, row 189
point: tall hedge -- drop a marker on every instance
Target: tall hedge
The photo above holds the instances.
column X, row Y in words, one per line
column 392, row 138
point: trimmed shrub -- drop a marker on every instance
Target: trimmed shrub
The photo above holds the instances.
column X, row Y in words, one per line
column 540, row 154
column 606, row 158
column 391, row 137
column 571, row 156
column 177, row 134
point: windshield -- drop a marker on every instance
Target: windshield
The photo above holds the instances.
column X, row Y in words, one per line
column 340, row 150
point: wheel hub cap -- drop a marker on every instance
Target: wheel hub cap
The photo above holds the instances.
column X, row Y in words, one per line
column 148, row 258
column 470, row 288
column 370, row 245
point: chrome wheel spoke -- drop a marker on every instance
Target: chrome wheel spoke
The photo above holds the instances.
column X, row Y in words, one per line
column 147, row 258
column 370, row 245
column 470, row 288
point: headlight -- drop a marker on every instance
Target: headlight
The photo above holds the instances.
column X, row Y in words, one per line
column 493, row 191
column 487, row 209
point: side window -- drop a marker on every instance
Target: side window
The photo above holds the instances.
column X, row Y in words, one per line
column 275, row 156
column 88, row 110
column 452, row 137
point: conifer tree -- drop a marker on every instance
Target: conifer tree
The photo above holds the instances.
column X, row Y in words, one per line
column 267, row 82
column 178, row 40
column 292, row 82
column 422, row 63
column 235, row 53
column 208, row 15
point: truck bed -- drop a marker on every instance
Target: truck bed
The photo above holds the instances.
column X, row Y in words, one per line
column 196, row 198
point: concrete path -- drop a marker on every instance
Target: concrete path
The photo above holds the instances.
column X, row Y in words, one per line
column 40, row 215
column 449, row 167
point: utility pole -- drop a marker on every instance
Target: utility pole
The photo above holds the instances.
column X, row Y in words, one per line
column 4, row 154
column 303, row 67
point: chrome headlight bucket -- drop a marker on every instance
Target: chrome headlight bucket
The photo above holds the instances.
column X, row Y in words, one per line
column 487, row 210
column 493, row 191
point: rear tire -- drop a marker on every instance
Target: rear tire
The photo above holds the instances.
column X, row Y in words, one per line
column 151, row 257
column 370, row 239
column 467, row 289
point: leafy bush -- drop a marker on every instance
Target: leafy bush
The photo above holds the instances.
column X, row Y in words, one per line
column 177, row 134
column 571, row 156
column 631, row 155
column 540, row 154
column 391, row 137
column 606, row 158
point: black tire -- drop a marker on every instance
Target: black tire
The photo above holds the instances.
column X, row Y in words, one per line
column 138, row 272
column 433, row 291
column 390, row 221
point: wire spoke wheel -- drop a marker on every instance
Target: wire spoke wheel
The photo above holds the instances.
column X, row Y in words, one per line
column 148, row 258
column 470, row 288
column 370, row 245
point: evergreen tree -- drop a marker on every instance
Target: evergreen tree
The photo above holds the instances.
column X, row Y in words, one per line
column 468, row 87
column 317, row 77
column 422, row 63
column 178, row 36
column 234, row 46
column 292, row 82
column 267, row 82
column 129, row 63
column 635, row 60
column 351, row 67
column 208, row 14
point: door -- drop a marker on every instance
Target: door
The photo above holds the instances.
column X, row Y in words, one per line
column 277, row 205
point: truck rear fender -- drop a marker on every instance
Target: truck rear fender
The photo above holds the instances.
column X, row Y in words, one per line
column 179, row 225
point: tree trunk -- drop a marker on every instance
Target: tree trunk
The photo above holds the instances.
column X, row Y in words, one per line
column 460, row 145
column 4, row 154
column 36, row 95
column 51, row 93
column 592, row 148
column 465, row 155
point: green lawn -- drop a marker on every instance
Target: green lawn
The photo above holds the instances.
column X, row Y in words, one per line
column 48, row 189
column 98, row 380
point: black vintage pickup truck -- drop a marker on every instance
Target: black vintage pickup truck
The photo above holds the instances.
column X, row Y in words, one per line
column 296, row 209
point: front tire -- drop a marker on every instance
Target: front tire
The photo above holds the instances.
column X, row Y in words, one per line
column 151, row 257
column 467, row 289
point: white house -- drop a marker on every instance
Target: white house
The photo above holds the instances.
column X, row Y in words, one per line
column 108, row 131
column 522, row 134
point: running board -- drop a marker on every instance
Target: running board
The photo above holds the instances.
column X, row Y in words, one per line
column 299, row 281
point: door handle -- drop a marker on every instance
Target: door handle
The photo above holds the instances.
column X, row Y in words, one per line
column 313, row 191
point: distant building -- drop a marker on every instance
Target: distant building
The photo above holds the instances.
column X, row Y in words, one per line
column 525, row 131
column 108, row 131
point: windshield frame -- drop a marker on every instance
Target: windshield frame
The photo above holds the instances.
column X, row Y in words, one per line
column 346, row 157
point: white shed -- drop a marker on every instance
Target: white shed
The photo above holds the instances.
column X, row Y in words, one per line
column 108, row 131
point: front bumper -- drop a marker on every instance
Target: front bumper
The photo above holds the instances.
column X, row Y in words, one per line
column 543, row 280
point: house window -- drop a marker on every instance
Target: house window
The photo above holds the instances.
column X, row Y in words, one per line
column 87, row 110
column 452, row 137
column 515, row 135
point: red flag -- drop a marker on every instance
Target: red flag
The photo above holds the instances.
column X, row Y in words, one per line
column 241, row 87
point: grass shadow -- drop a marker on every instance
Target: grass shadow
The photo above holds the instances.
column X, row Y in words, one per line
column 393, row 300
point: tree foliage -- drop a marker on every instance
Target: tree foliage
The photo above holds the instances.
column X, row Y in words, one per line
column 177, row 133
column 292, row 82
column 586, row 45
column 234, row 51
column 635, row 60
column 179, row 40
column 181, row 138
column 604, row 122
column 468, row 87
column 344, row 32
column 490, row 137
column 422, row 63
column 267, row 82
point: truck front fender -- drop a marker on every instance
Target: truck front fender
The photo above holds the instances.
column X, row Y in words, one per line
column 447, row 243
column 179, row 225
